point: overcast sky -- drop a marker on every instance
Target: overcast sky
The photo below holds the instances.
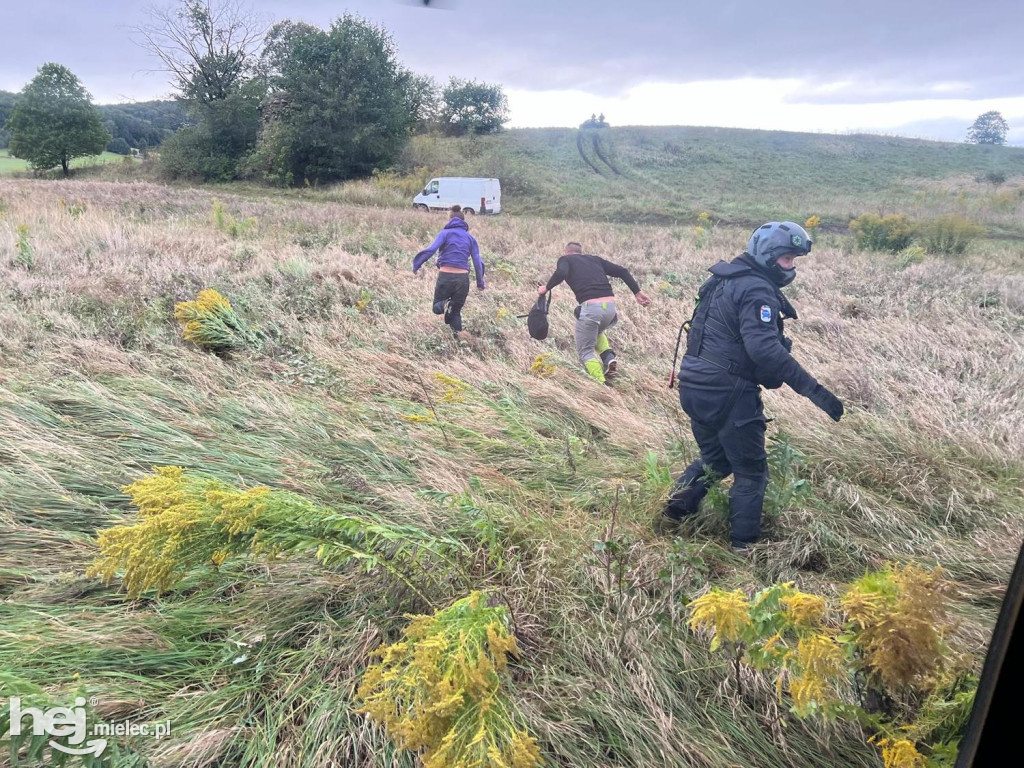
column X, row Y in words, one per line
column 911, row 67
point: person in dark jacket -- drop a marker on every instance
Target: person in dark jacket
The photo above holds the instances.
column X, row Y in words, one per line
column 456, row 247
column 735, row 346
column 587, row 276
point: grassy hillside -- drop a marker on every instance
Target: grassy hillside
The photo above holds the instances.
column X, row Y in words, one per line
column 671, row 174
column 358, row 399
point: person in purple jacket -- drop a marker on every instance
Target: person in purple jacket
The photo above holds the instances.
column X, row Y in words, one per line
column 455, row 247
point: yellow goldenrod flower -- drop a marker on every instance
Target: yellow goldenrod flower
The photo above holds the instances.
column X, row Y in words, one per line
column 901, row 753
column 723, row 612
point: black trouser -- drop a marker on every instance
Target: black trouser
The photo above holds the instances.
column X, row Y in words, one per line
column 452, row 288
column 731, row 443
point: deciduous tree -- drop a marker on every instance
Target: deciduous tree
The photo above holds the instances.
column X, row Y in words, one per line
column 989, row 128
column 469, row 106
column 338, row 106
column 211, row 48
column 54, row 121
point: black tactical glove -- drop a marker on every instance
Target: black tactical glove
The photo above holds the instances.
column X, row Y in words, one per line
column 828, row 402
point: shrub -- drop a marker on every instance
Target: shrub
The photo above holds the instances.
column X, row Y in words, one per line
column 890, row 233
column 25, row 252
column 228, row 224
column 439, row 690
column 949, row 235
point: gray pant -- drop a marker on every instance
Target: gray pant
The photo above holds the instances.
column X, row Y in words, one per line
column 591, row 323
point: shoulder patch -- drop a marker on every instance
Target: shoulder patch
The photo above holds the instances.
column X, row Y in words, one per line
column 766, row 313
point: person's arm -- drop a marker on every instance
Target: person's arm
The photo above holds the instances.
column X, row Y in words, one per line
column 561, row 273
column 478, row 263
column 426, row 253
column 617, row 270
column 758, row 310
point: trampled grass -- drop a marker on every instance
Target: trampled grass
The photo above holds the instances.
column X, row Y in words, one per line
column 357, row 398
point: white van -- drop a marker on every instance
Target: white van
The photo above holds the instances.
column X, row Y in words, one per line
column 474, row 195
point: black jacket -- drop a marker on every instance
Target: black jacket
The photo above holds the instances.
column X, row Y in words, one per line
column 588, row 275
column 737, row 332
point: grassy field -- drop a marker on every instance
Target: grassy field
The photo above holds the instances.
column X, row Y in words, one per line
column 348, row 399
column 10, row 165
column 671, row 174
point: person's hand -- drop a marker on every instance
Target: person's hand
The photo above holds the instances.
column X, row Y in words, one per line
column 828, row 402
column 541, row 290
column 643, row 299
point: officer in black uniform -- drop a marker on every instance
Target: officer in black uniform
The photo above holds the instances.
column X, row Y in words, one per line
column 735, row 346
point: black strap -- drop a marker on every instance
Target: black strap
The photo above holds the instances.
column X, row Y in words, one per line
column 729, row 366
column 546, row 298
column 675, row 355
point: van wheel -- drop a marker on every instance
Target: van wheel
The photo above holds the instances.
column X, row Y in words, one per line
column 420, row 207
column 470, row 211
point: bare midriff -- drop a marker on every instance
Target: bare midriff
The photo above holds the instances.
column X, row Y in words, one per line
column 454, row 269
column 598, row 301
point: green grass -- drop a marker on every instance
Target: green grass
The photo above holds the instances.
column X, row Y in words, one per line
column 671, row 174
column 10, row 165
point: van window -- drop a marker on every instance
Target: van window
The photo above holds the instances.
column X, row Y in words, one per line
column 431, row 188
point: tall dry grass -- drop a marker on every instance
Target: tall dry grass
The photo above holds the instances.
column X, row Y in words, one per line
column 97, row 386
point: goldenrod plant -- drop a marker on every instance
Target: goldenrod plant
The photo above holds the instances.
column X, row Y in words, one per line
column 440, row 690
column 898, row 617
column 187, row 521
column 891, row 642
column 541, row 366
column 210, row 322
column 453, row 389
column 901, row 753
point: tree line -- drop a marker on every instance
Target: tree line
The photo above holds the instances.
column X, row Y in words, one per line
column 289, row 104
column 142, row 125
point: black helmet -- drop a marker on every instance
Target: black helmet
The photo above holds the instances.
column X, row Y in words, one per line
column 774, row 239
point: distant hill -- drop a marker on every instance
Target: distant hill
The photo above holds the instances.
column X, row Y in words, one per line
column 671, row 174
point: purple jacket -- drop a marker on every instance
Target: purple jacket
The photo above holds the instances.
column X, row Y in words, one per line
column 457, row 246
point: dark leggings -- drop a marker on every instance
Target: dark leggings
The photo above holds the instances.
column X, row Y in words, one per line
column 451, row 289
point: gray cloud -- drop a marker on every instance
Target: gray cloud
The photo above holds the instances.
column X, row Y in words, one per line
column 883, row 51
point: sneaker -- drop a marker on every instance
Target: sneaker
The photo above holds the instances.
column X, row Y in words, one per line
column 745, row 550
column 448, row 312
column 608, row 362
column 612, row 370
